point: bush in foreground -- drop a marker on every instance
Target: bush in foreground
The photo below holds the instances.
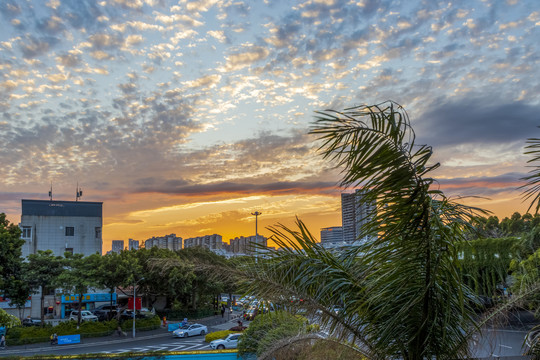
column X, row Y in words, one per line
column 217, row 335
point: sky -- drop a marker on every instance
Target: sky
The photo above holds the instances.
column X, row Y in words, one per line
column 187, row 116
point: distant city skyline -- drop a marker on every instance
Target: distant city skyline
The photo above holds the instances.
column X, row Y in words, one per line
column 187, row 116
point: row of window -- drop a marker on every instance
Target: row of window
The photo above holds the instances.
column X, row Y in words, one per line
column 70, row 231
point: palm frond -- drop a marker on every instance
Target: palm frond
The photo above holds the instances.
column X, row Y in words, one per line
column 532, row 187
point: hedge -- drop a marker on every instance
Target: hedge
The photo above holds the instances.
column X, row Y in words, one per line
column 87, row 329
column 190, row 314
column 217, row 335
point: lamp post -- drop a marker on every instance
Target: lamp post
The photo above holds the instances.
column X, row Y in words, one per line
column 256, row 213
column 134, row 306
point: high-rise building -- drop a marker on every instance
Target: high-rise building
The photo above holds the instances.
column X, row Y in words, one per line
column 355, row 212
column 171, row 242
column 61, row 226
column 247, row 245
column 133, row 244
column 331, row 235
column 212, row 242
column 117, row 246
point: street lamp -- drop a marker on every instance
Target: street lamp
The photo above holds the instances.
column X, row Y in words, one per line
column 256, row 213
column 134, row 301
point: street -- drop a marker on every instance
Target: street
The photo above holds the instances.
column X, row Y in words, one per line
column 144, row 342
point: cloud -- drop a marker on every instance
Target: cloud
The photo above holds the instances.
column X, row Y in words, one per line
column 478, row 120
column 33, row 47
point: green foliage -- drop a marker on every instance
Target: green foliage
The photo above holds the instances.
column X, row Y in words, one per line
column 319, row 349
column 42, row 270
column 217, row 335
column 185, row 313
column 267, row 329
column 35, row 334
column 12, row 280
column 150, row 323
column 401, row 291
column 8, row 320
column 485, row 262
column 527, row 275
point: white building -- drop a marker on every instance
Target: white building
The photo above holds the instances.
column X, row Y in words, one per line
column 133, row 244
column 355, row 212
column 171, row 242
column 212, row 242
column 61, row 226
column 247, row 245
column 117, row 246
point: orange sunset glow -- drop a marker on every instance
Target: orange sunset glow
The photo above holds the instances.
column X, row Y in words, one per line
column 185, row 117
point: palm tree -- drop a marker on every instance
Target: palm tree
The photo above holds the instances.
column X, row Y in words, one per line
column 401, row 291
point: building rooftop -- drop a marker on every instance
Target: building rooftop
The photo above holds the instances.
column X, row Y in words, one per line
column 61, row 208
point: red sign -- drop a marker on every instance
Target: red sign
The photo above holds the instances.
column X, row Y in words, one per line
column 138, row 303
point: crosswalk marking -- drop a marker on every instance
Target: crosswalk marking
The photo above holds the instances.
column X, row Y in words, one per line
column 183, row 346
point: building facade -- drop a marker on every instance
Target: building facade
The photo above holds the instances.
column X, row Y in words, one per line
column 212, row 242
column 247, row 245
column 133, row 244
column 355, row 212
column 331, row 235
column 171, row 242
column 117, row 246
column 61, row 226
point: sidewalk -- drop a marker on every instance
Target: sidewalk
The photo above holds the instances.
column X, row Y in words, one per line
column 214, row 323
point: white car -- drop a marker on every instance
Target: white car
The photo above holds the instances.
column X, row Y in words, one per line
column 190, row 330
column 85, row 316
column 229, row 342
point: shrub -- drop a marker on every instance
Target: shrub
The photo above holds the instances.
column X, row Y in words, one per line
column 267, row 329
column 30, row 335
column 190, row 314
column 217, row 335
column 150, row 323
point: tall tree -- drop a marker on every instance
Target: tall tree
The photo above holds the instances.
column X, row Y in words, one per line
column 401, row 292
column 11, row 262
column 76, row 279
column 110, row 271
column 43, row 271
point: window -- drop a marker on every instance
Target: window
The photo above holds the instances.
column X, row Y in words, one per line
column 69, row 250
column 26, row 232
column 70, row 231
column 98, row 232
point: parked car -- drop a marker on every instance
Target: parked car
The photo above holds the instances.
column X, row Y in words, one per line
column 105, row 312
column 85, row 316
column 128, row 314
column 31, row 322
column 190, row 330
column 228, row 342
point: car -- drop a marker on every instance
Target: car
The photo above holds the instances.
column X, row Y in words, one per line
column 31, row 322
column 128, row 314
column 190, row 330
column 105, row 312
column 228, row 342
column 85, row 316
column 250, row 314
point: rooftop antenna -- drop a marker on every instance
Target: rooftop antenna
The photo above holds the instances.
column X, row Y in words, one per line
column 79, row 192
column 50, row 192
